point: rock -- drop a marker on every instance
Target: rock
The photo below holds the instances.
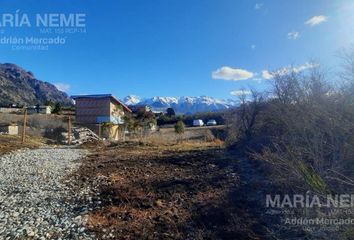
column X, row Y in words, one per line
column 31, row 234
column 78, row 220
column 159, row 203
column 39, row 204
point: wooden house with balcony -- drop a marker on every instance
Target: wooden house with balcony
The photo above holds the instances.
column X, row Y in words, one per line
column 101, row 110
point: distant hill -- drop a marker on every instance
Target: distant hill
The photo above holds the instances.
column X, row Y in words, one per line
column 18, row 86
column 183, row 105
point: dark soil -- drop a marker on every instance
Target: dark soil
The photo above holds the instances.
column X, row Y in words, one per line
column 185, row 191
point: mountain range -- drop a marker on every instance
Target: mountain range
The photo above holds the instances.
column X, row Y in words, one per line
column 18, row 86
column 21, row 87
column 182, row 105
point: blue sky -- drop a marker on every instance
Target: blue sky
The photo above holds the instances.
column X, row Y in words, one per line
column 181, row 47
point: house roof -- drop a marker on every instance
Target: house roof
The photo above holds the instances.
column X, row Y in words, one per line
column 97, row 96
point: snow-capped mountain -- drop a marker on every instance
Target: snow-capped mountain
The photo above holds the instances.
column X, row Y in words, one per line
column 131, row 100
column 182, row 105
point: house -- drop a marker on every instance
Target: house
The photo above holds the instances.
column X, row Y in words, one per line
column 39, row 110
column 94, row 110
column 12, row 108
column 102, row 108
column 11, row 129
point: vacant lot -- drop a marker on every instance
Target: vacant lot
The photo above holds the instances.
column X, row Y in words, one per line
column 190, row 190
column 168, row 135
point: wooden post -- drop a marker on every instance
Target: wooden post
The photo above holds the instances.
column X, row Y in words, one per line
column 99, row 130
column 124, row 130
column 24, row 125
column 69, row 130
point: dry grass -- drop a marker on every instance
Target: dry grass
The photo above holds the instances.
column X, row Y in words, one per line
column 12, row 143
column 36, row 123
column 168, row 135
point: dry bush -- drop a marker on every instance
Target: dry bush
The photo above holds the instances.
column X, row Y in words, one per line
column 43, row 125
column 305, row 131
column 209, row 136
column 11, row 118
column 55, row 134
column 241, row 121
column 38, row 125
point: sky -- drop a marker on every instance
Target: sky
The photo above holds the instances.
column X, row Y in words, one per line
column 177, row 47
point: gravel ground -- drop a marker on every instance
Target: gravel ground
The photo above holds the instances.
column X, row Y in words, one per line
column 37, row 200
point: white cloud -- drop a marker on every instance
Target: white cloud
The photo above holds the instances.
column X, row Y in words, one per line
column 258, row 6
column 316, row 20
column 253, row 47
column 266, row 75
column 62, row 87
column 285, row 70
column 235, row 74
column 304, row 67
column 293, row 35
column 239, row 93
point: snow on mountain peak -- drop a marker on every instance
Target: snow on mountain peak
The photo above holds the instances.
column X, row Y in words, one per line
column 166, row 100
column 131, row 100
column 182, row 105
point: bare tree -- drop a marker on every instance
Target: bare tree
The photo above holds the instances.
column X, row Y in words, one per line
column 241, row 121
column 347, row 57
column 305, row 131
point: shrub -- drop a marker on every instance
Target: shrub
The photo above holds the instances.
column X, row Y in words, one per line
column 305, row 131
column 55, row 134
column 179, row 127
column 57, row 108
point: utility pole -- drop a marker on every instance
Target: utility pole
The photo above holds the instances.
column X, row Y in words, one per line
column 69, row 130
column 24, row 125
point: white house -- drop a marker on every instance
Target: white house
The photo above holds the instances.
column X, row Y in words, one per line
column 39, row 110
